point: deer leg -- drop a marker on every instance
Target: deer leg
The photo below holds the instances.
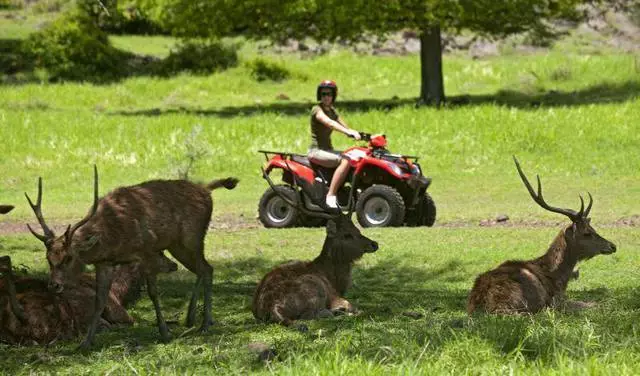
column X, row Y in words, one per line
column 7, row 270
column 193, row 303
column 153, row 294
column 340, row 306
column 206, row 274
column 104, row 277
column 192, row 257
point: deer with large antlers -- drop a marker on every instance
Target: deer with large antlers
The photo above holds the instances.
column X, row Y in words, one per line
column 529, row 286
column 134, row 224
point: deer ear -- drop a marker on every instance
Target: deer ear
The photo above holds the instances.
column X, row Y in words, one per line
column 332, row 229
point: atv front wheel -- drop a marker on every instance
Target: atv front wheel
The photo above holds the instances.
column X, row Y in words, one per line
column 380, row 206
column 274, row 212
column 424, row 214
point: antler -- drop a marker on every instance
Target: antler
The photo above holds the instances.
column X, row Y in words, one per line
column 94, row 208
column 37, row 210
column 572, row 214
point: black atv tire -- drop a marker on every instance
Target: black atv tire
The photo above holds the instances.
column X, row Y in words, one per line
column 425, row 215
column 380, row 206
column 273, row 212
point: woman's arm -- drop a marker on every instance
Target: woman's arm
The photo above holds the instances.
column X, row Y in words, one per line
column 336, row 125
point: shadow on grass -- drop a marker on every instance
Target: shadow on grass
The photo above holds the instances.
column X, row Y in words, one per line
column 597, row 94
column 380, row 333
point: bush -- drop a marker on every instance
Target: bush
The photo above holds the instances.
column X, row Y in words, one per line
column 262, row 70
column 73, row 49
column 199, row 57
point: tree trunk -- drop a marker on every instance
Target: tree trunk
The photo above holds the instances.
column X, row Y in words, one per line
column 432, row 86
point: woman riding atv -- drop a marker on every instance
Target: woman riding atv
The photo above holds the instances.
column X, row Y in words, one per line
column 324, row 120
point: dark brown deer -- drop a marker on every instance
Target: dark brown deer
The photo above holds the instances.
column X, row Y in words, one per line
column 31, row 314
column 4, row 209
column 529, row 286
column 134, row 224
column 312, row 289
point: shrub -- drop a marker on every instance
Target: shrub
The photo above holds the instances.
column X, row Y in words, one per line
column 262, row 70
column 73, row 49
column 200, row 57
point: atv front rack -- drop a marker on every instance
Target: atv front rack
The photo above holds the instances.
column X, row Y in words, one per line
column 283, row 153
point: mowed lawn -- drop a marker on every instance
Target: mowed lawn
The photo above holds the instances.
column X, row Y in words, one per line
column 573, row 119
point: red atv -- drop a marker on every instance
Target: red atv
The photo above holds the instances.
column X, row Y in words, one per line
column 384, row 189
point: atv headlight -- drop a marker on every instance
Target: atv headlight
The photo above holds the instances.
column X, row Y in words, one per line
column 395, row 168
column 415, row 169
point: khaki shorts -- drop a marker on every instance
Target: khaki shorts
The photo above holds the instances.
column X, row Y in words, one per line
column 325, row 158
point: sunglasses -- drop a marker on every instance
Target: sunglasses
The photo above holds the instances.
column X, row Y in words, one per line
column 326, row 94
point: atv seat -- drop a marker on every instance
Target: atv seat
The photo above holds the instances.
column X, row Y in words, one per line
column 301, row 159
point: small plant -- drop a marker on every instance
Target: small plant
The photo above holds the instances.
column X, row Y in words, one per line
column 262, row 70
column 561, row 74
column 193, row 151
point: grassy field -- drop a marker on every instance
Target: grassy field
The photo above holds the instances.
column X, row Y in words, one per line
column 572, row 118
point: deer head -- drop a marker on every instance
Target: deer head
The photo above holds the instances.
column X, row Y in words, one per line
column 344, row 242
column 64, row 264
column 582, row 239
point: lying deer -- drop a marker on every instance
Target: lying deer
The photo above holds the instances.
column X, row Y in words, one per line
column 312, row 289
column 31, row 314
column 134, row 224
column 529, row 286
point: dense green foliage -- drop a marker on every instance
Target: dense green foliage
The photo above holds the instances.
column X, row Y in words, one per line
column 73, row 49
column 200, row 57
column 263, row 69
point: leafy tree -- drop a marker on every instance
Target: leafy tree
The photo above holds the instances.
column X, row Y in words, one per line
column 331, row 20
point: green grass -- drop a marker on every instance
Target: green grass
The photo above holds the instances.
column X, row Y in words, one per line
column 428, row 271
column 571, row 118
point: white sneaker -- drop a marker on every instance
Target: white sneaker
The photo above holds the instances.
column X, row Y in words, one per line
column 332, row 202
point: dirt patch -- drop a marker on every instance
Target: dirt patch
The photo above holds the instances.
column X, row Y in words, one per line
column 234, row 222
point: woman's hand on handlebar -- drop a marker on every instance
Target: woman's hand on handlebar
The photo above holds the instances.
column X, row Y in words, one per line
column 353, row 134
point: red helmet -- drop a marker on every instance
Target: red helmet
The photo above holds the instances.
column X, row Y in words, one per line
column 327, row 84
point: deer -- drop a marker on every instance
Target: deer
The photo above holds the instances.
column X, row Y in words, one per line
column 313, row 289
column 134, row 224
column 524, row 287
column 31, row 314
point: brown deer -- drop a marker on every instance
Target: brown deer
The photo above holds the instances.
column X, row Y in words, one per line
column 134, row 224
column 31, row 314
column 312, row 289
column 4, row 209
column 529, row 286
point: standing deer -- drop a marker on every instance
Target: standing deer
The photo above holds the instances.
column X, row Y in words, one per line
column 312, row 289
column 529, row 286
column 134, row 224
column 30, row 313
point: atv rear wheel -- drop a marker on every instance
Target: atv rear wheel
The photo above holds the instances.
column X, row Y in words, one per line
column 425, row 214
column 380, row 206
column 274, row 212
